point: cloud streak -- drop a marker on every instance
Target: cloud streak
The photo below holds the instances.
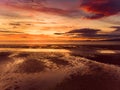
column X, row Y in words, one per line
column 9, row 32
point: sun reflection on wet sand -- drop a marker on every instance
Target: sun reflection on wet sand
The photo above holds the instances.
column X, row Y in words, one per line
column 50, row 69
column 108, row 51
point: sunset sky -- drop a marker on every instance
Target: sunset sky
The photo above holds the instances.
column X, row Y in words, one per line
column 59, row 20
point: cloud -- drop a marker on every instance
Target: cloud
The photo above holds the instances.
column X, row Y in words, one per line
column 8, row 14
column 85, row 32
column 15, row 24
column 117, row 30
column 67, row 8
column 35, row 5
column 19, row 24
column 117, row 27
column 3, row 31
column 92, row 33
column 92, row 9
column 100, row 8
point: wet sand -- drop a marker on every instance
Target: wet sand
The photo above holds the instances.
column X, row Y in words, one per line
column 73, row 70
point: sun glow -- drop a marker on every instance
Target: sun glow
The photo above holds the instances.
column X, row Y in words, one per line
column 23, row 21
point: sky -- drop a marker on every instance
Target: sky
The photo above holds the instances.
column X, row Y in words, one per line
column 59, row 20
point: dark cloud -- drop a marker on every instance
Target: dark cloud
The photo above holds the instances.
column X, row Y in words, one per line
column 20, row 24
column 93, row 33
column 101, row 8
column 114, row 35
column 116, row 27
column 15, row 24
column 59, row 33
column 85, row 32
column 10, row 32
column 116, row 31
